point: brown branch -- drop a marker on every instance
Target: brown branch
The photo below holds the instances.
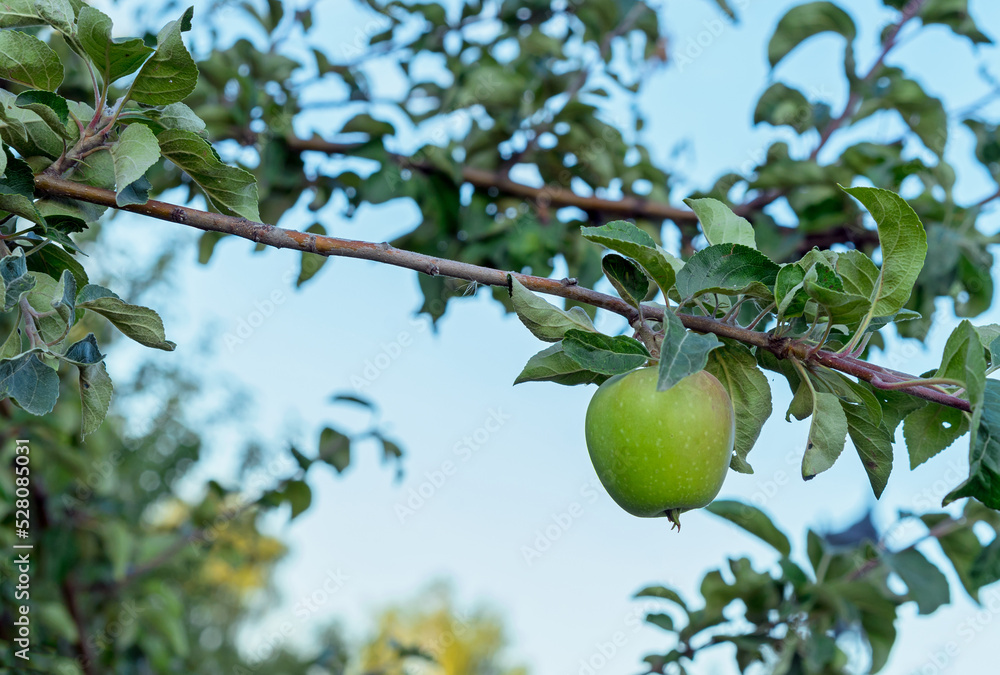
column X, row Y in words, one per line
column 67, row 588
column 549, row 195
column 87, row 657
column 986, row 200
column 558, row 196
column 277, row 237
column 911, row 9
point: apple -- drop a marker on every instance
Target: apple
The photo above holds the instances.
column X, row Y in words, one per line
column 659, row 453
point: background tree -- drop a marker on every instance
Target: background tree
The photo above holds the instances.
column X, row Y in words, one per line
column 504, row 140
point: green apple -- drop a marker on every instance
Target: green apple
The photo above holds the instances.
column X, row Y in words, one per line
column 659, row 453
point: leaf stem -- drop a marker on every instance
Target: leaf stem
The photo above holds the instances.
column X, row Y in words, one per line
column 919, row 382
column 760, row 317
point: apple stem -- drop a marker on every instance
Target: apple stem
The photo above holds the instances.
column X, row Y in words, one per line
column 674, row 516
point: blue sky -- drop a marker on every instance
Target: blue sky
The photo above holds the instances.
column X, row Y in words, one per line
column 529, row 469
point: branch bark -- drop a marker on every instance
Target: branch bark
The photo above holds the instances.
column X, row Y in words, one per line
column 549, row 195
column 277, row 237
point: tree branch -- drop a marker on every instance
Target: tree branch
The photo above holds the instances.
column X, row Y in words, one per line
column 911, row 9
column 277, row 237
column 549, row 195
column 86, row 659
column 558, row 196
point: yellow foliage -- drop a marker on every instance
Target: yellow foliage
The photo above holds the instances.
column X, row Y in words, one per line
column 436, row 639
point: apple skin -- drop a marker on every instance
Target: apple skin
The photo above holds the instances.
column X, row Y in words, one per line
column 659, row 453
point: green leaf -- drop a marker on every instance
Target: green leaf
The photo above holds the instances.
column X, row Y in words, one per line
column 823, row 285
column 136, row 192
column 298, row 495
column 720, row 224
column 54, row 300
column 168, row 621
column 754, row 521
column 896, row 405
column 17, row 190
column 25, row 131
column 178, row 116
column 962, row 548
column 300, row 459
column 877, row 610
column 63, row 299
column 630, row 281
column 987, row 145
column 731, row 269
column 663, row 593
column 927, row 585
column 553, row 365
column 546, row 321
column 85, row 352
column 311, row 262
column 801, row 405
column 827, row 435
column 53, row 260
column 51, row 108
column 930, row 430
column 904, row 247
column 364, row 123
column 114, row 59
column 857, row 272
column 12, row 345
column 849, row 391
column 206, row 246
column 627, row 239
column 57, row 13
column 983, row 482
column 232, row 190
column 989, row 336
column 954, row 14
column 736, row 368
column 17, row 13
column 27, row 60
column 924, row 114
column 682, row 352
column 604, row 354
column 170, row 74
column 117, row 541
column 873, row 442
column 986, row 567
column 661, row 621
column 134, row 321
column 780, row 105
column 97, row 169
column 29, row 383
column 804, row 21
column 334, row 449
column 789, row 295
column 135, row 151
column 16, row 280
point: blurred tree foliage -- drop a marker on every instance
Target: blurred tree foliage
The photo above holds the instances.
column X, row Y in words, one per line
column 516, row 123
column 430, row 635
